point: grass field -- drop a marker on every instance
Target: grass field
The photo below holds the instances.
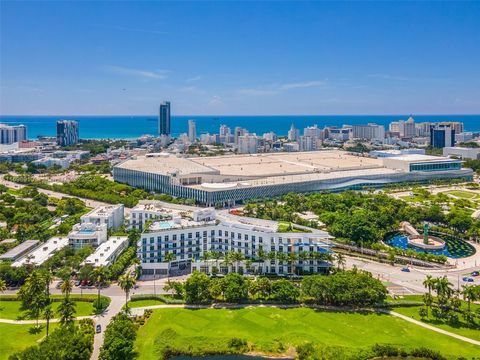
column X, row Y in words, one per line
column 274, row 330
column 461, row 329
column 18, row 337
column 462, row 194
column 11, row 309
column 142, row 303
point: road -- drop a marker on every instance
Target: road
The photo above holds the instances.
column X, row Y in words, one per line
column 411, row 282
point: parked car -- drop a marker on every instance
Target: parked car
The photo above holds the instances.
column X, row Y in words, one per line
column 405, row 269
column 475, row 273
column 468, row 279
column 98, row 328
column 77, row 283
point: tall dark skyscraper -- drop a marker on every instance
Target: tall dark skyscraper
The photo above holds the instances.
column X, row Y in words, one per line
column 441, row 136
column 164, row 118
column 67, row 132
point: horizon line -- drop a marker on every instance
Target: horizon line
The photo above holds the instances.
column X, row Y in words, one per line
column 251, row 115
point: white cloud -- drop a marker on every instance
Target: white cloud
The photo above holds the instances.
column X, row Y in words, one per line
column 145, row 74
column 215, row 100
column 390, row 77
column 194, row 78
column 278, row 88
column 303, row 84
column 192, row 89
column 256, row 92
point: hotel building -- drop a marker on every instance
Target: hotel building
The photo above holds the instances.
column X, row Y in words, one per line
column 189, row 232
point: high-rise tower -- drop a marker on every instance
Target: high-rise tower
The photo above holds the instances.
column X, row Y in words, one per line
column 67, row 132
column 164, row 119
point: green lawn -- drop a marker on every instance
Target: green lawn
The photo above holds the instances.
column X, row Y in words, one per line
column 11, row 309
column 284, row 226
column 463, row 194
column 18, row 337
column 272, row 329
column 142, row 303
column 461, row 329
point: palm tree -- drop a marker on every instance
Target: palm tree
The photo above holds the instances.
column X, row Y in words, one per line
column 341, row 261
column 216, row 256
column 292, row 258
column 3, row 287
column 444, row 287
column 66, row 287
column 261, row 256
column 228, row 260
column 99, row 276
column 126, row 282
column 66, row 310
column 169, row 257
column 207, row 255
column 429, row 283
column 281, row 257
column 47, row 315
column 470, row 293
column 237, row 257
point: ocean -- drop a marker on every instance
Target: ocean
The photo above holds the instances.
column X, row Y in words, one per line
column 129, row 127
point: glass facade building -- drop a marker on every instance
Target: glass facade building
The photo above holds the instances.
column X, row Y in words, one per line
column 164, row 119
column 67, row 132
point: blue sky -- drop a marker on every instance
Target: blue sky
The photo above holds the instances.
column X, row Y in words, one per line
column 240, row 58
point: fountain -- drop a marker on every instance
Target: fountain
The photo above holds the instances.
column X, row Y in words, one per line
column 427, row 242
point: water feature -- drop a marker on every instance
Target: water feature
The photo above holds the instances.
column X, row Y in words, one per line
column 455, row 248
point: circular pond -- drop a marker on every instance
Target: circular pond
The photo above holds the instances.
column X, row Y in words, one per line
column 454, row 248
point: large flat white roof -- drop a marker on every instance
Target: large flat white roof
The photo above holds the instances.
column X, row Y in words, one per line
column 44, row 251
column 103, row 253
column 103, row 211
column 421, row 158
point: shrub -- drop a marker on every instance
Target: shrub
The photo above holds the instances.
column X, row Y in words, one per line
column 386, row 350
column 102, row 305
column 427, row 354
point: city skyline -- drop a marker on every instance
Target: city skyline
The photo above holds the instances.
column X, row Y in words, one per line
column 240, row 59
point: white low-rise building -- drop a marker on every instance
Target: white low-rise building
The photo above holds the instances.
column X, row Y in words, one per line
column 111, row 215
column 176, row 231
column 42, row 252
column 462, row 152
column 87, row 234
column 108, row 251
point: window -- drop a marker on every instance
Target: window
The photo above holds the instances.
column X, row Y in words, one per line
column 174, row 237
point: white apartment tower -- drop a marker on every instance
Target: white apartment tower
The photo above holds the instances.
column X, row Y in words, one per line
column 192, row 130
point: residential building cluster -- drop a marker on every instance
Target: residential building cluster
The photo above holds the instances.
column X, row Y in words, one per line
column 91, row 231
